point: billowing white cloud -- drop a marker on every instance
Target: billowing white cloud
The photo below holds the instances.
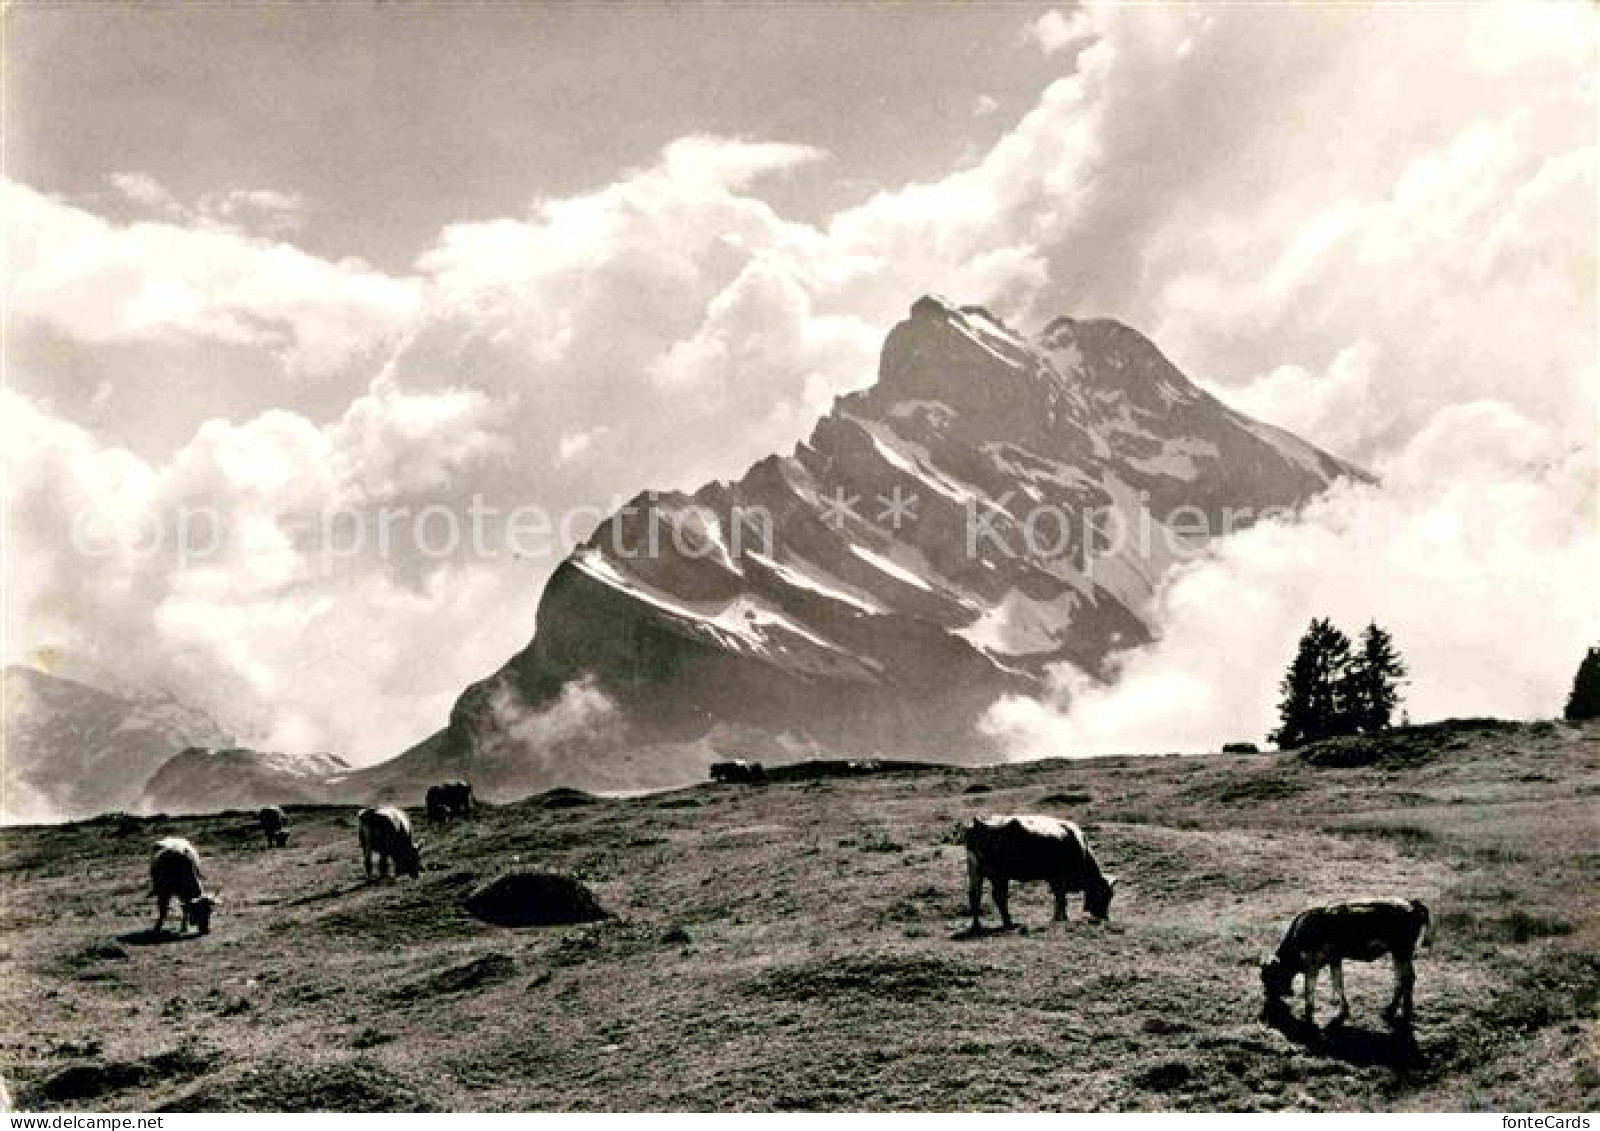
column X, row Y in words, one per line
column 227, row 577
column 262, row 211
column 104, row 282
column 328, row 560
column 145, row 191
column 268, row 211
column 1056, row 31
column 1482, row 573
column 1401, row 270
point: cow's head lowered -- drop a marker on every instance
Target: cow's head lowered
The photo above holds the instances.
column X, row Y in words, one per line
column 408, row 858
column 1276, row 978
column 1097, row 893
column 199, row 910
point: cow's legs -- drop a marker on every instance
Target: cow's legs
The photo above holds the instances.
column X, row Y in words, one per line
column 366, row 861
column 1336, row 972
column 383, row 865
column 183, row 919
column 1059, row 891
column 161, row 913
column 974, row 891
column 1311, row 993
column 1401, row 1007
column 1002, row 887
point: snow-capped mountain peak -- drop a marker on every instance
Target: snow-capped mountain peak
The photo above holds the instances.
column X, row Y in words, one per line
column 940, row 538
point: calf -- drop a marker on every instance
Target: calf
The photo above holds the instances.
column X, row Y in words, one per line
column 1003, row 849
column 1359, row 931
column 175, row 874
column 449, row 799
column 274, row 826
column 386, row 833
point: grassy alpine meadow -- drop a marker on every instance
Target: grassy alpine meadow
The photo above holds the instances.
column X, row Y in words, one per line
column 803, row 944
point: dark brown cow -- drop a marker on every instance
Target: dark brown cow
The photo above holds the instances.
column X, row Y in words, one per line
column 1006, row 849
column 274, row 826
column 386, row 833
column 175, row 874
column 1358, row 931
column 449, row 799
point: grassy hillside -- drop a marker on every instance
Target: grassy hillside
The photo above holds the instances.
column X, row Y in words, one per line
column 798, row 945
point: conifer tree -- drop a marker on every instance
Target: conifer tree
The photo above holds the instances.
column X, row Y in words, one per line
column 1584, row 702
column 1313, row 705
column 1372, row 683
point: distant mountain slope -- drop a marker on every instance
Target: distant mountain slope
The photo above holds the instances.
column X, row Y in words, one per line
column 199, row 780
column 72, row 750
column 941, row 538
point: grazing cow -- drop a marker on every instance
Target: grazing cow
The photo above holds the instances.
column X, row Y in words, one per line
column 1003, row 849
column 175, row 874
column 274, row 826
column 449, row 799
column 386, row 833
column 738, row 770
column 1360, row 931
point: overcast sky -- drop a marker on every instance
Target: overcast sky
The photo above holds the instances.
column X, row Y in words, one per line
column 279, row 259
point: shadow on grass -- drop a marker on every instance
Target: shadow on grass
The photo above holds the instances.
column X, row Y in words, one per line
column 1390, row 1048
column 969, row 932
column 152, row 937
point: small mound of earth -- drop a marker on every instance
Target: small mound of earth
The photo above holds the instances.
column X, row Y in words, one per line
column 94, row 1079
column 535, row 899
column 1166, row 1076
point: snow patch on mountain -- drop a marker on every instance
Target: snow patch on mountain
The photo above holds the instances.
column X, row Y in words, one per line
column 894, row 569
column 1019, row 625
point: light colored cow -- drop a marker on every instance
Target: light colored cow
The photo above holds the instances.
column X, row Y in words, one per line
column 175, row 874
column 1358, row 931
column 385, row 832
column 1006, row 849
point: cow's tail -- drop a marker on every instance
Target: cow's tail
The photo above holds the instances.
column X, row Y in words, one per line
column 1427, row 921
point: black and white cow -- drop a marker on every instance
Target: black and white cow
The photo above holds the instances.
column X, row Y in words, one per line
column 386, row 833
column 1006, row 849
column 449, row 799
column 274, row 826
column 1358, row 931
column 175, row 874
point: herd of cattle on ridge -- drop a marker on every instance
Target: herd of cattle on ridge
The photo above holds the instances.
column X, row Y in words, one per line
column 1001, row 850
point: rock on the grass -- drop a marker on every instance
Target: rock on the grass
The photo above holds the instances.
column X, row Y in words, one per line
column 535, row 899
